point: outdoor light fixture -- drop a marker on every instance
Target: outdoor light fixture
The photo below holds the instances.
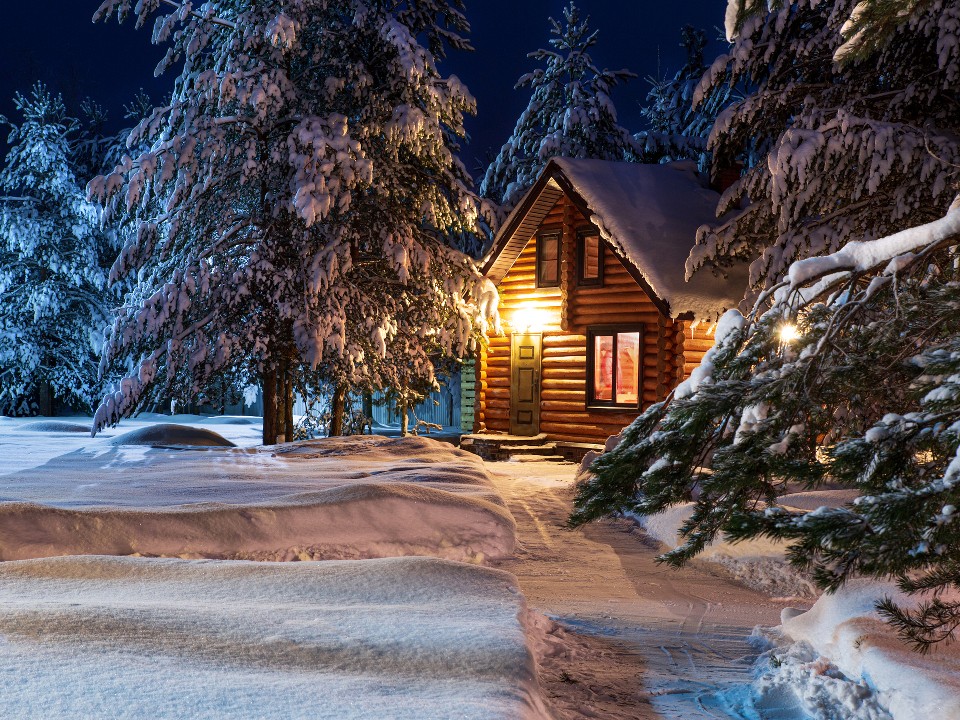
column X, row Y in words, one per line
column 528, row 318
column 788, row 332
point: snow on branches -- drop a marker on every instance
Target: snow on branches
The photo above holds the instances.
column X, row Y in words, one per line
column 833, row 151
column 295, row 201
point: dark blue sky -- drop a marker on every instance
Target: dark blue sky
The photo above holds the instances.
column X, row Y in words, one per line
column 55, row 41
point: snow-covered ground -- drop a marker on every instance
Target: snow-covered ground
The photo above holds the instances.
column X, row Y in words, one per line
column 63, row 492
column 759, row 563
column 837, row 661
column 414, row 638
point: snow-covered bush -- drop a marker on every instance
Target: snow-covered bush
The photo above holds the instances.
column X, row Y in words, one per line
column 53, row 260
column 570, row 114
column 294, row 206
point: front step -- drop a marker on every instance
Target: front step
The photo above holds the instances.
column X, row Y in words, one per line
column 537, row 458
column 492, row 446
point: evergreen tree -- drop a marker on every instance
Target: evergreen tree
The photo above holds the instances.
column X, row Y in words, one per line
column 53, row 261
column 294, row 206
column 570, row 114
column 677, row 130
column 863, row 393
column 833, row 151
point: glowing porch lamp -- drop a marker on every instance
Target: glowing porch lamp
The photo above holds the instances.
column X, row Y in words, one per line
column 527, row 318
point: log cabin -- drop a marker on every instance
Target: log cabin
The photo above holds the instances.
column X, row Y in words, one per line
column 599, row 321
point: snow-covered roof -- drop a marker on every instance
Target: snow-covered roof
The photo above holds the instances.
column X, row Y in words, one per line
column 649, row 214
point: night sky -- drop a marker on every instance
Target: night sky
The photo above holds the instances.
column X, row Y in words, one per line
column 55, row 42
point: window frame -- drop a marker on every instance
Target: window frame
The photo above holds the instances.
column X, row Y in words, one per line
column 543, row 233
column 595, row 331
column 582, row 234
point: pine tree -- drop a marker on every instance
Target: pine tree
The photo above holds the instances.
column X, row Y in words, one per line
column 570, row 113
column 863, row 393
column 294, row 208
column 833, row 151
column 53, row 261
column 678, row 131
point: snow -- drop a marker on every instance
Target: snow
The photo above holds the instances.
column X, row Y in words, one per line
column 759, row 563
column 650, row 215
column 846, row 628
column 357, row 497
column 863, row 255
column 172, row 434
column 135, row 638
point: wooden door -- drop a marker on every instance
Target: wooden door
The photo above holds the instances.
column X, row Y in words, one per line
column 525, row 383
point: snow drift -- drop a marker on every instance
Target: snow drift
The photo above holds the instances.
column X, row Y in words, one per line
column 405, row 638
column 172, row 434
column 358, row 497
column 846, row 628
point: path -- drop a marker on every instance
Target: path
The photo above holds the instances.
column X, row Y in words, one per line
column 646, row 641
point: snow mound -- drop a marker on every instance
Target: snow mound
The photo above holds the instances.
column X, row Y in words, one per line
column 171, row 434
column 791, row 680
column 406, row 638
column 846, row 629
column 347, row 522
column 55, row 426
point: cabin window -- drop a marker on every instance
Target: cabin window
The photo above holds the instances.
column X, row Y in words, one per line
column 590, row 252
column 548, row 260
column 613, row 366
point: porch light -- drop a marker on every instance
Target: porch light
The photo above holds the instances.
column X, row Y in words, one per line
column 527, row 318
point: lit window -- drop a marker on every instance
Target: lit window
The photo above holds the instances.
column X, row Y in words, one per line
column 548, row 260
column 591, row 258
column 614, row 361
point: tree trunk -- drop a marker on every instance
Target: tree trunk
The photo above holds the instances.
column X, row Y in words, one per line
column 336, row 410
column 288, row 403
column 404, row 418
column 269, row 381
column 368, row 410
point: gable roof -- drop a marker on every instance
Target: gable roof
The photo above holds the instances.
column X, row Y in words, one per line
column 649, row 214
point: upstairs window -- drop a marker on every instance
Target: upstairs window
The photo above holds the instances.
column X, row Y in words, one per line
column 590, row 254
column 613, row 366
column 548, row 260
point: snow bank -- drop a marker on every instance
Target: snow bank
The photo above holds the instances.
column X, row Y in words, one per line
column 359, row 521
column 172, row 434
column 357, row 497
column 406, row 638
column 759, row 563
column 54, row 426
column 846, row 629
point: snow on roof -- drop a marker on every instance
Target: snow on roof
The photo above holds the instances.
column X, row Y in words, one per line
column 650, row 215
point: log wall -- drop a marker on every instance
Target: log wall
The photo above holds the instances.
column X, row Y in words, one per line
column 565, row 313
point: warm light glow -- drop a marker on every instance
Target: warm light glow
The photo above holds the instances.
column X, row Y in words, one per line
column 527, row 318
column 789, row 333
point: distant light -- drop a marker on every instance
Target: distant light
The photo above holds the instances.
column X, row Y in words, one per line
column 789, row 333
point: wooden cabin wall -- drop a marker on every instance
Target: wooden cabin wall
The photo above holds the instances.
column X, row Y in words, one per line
column 697, row 339
column 563, row 414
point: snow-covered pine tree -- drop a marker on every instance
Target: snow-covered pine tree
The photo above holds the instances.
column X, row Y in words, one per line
column 863, row 393
column 570, row 113
column 53, row 261
column 294, row 207
column 677, row 130
column 833, row 151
